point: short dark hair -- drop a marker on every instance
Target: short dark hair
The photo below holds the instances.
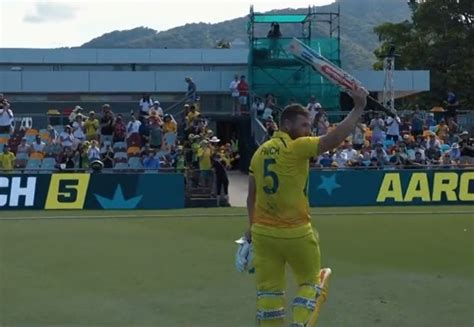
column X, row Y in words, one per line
column 292, row 111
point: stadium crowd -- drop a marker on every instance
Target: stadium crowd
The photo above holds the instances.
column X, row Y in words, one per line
column 147, row 140
column 151, row 140
column 415, row 139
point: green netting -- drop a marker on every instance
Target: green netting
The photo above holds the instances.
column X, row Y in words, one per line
column 270, row 49
column 279, row 18
column 328, row 47
column 273, row 70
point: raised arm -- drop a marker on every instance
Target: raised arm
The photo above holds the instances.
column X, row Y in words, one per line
column 345, row 128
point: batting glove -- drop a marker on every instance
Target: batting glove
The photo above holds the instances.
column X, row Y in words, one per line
column 244, row 255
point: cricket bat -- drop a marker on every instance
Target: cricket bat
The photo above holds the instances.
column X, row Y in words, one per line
column 333, row 73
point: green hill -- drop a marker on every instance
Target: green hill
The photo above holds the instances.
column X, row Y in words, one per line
column 358, row 19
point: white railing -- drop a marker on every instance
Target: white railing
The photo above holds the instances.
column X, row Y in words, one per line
column 259, row 132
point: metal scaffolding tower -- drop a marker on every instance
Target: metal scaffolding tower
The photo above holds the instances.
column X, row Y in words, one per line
column 273, row 70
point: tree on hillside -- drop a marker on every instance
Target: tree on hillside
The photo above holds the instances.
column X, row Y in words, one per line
column 440, row 39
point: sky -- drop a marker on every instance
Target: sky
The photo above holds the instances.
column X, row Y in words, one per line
column 68, row 23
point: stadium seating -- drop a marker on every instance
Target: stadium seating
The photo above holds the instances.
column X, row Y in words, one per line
column 44, row 134
column 120, row 146
column 135, row 163
column 388, row 143
column 134, row 140
column 106, row 139
column 22, row 156
column 120, row 155
column 4, row 139
column 133, row 151
column 37, row 155
column 20, row 163
column 126, row 154
column 32, row 132
column 33, row 164
column 30, row 138
column 48, row 163
column 121, row 166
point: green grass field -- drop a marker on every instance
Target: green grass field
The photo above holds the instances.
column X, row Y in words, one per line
column 393, row 266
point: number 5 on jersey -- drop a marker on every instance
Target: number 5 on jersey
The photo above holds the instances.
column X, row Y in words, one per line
column 267, row 172
column 67, row 191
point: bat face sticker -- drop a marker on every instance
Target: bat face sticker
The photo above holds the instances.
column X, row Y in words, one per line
column 339, row 77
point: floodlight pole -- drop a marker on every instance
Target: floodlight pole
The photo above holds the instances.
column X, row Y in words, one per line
column 388, row 84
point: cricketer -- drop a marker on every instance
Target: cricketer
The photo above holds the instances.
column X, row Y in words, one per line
column 280, row 230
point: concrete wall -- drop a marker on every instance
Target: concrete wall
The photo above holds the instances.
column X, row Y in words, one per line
column 123, row 56
column 169, row 81
column 112, row 82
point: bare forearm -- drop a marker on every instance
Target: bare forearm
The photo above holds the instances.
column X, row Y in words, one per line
column 251, row 198
column 250, row 208
column 250, row 211
column 343, row 130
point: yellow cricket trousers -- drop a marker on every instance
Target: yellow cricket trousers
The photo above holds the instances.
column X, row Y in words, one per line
column 273, row 248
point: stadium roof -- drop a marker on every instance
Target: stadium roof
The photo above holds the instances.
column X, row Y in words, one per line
column 258, row 18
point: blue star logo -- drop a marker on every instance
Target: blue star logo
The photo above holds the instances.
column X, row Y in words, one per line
column 118, row 201
column 329, row 184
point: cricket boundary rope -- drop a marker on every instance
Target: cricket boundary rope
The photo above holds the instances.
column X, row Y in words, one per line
column 214, row 215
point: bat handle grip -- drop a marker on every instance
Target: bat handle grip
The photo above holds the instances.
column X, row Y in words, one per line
column 373, row 103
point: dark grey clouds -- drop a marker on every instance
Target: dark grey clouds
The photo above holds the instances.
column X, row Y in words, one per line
column 50, row 12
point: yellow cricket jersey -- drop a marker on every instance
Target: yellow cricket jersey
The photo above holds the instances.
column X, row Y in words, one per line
column 204, row 155
column 91, row 127
column 281, row 169
column 192, row 115
column 7, row 160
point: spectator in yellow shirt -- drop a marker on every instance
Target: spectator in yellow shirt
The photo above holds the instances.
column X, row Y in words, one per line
column 169, row 125
column 193, row 113
column 442, row 130
column 7, row 159
column 91, row 126
column 224, row 157
column 204, row 155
